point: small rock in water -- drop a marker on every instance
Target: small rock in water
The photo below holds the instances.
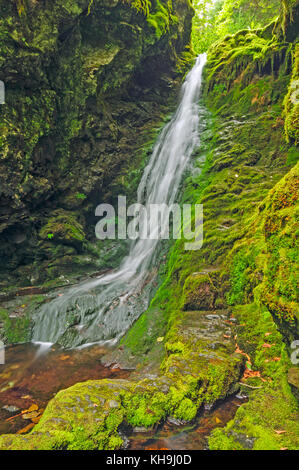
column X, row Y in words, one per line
column 208, row 407
column 240, row 396
column 176, row 422
column 11, row 408
column 141, row 429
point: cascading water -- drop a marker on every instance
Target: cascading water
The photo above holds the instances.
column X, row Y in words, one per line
column 103, row 309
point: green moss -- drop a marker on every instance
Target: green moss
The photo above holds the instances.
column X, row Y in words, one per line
column 272, row 408
column 240, row 284
column 266, row 260
column 291, row 102
column 73, row 111
column 14, row 329
column 63, row 227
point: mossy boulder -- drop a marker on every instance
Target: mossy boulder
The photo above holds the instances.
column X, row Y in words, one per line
column 200, row 292
column 63, row 227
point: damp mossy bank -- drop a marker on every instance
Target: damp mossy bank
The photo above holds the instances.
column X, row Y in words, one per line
column 225, row 316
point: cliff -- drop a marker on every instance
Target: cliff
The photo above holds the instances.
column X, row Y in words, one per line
column 225, row 317
column 87, row 84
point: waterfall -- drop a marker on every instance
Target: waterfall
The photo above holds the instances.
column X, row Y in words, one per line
column 103, row 309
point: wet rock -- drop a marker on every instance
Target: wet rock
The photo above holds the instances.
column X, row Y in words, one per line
column 10, row 408
column 199, row 293
column 176, row 422
column 293, row 379
column 246, row 442
column 141, row 429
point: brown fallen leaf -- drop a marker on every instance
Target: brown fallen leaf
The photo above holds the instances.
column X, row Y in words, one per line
column 33, row 407
column 239, row 351
column 25, row 429
column 36, row 420
column 64, row 358
column 31, row 415
column 265, row 345
column 280, row 431
column 251, row 373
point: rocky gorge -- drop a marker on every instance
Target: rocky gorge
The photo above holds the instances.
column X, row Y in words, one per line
column 88, row 86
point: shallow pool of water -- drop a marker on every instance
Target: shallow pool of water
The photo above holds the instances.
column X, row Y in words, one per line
column 190, row 437
column 29, row 377
column 32, row 376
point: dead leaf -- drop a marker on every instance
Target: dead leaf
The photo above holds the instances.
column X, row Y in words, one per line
column 64, row 358
column 36, row 419
column 25, row 429
column 239, row 351
column 32, row 415
column 251, row 373
column 265, row 345
column 280, row 431
column 33, row 407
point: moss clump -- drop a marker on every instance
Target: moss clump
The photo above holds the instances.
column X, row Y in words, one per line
column 200, row 291
column 269, row 420
column 291, row 103
column 266, row 260
column 14, row 329
column 159, row 14
column 63, row 227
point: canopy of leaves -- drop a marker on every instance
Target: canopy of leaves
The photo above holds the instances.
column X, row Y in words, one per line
column 214, row 19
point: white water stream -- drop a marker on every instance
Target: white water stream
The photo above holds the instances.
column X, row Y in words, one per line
column 102, row 310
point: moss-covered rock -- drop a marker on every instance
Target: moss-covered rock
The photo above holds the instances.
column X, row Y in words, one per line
column 86, row 84
column 64, row 228
column 200, row 368
column 269, row 421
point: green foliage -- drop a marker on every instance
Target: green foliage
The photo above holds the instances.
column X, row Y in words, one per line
column 140, row 5
column 215, row 20
column 81, row 196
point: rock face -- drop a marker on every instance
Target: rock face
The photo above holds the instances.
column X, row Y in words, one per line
column 86, row 83
column 225, row 315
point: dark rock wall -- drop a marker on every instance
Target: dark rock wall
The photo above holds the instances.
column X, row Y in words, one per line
column 86, row 83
